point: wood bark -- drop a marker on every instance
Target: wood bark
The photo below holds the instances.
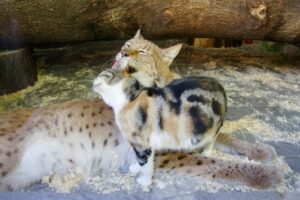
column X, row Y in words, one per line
column 17, row 70
column 63, row 21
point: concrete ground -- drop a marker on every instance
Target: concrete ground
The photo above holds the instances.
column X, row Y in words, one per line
column 263, row 92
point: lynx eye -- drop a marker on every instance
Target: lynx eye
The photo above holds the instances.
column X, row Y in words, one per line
column 127, row 44
column 142, row 51
column 130, row 70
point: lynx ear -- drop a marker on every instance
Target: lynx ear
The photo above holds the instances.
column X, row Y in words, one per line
column 138, row 35
column 170, row 53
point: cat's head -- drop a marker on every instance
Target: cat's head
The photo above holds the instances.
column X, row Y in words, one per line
column 145, row 61
column 116, row 88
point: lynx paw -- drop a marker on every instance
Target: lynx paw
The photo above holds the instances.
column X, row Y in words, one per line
column 263, row 152
column 144, row 181
column 135, row 168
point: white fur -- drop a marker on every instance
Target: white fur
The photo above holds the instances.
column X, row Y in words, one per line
column 145, row 179
column 135, row 168
column 111, row 94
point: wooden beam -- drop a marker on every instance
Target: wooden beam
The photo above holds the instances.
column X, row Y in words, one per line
column 17, row 70
column 34, row 22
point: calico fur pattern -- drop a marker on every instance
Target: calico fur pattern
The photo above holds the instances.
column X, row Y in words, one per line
column 185, row 115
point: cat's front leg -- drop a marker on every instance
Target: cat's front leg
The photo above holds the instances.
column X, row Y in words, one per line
column 145, row 157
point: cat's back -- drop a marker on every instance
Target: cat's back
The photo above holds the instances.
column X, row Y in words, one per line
column 193, row 82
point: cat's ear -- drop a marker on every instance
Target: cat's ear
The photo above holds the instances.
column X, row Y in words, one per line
column 138, row 35
column 170, row 53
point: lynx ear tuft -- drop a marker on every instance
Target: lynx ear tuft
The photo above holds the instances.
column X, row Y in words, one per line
column 138, row 35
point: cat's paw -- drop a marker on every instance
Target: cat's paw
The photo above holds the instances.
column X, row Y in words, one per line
column 144, row 181
column 135, row 168
column 263, row 152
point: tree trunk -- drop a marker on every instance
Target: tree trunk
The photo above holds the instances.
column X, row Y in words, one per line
column 63, row 21
column 17, row 70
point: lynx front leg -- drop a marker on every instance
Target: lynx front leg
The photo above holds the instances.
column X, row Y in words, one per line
column 254, row 151
column 145, row 159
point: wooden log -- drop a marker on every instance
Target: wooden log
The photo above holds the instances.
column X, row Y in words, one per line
column 63, row 21
column 17, row 70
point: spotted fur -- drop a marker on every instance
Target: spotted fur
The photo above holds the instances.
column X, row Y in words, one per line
column 56, row 139
column 194, row 164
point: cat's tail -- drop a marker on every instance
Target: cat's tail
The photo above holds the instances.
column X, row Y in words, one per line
column 255, row 175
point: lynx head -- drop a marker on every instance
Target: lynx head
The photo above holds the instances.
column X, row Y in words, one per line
column 145, row 61
column 116, row 88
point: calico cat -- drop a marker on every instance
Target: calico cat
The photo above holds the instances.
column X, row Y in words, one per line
column 185, row 115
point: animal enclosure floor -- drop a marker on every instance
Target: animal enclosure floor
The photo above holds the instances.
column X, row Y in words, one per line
column 263, row 92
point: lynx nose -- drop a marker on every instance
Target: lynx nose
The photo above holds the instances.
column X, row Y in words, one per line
column 124, row 54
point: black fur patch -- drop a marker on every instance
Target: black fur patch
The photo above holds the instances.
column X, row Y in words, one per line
column 200, row 121
column 142, row 155
column 160, row 119
column 204, row 83
column 217, row 107
column 179, row 86
column 142, row 116
column 196, row 98
column 133, row 89
column 131, row 95
column 154, row 91
column 175, row 106
column 137, row 85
